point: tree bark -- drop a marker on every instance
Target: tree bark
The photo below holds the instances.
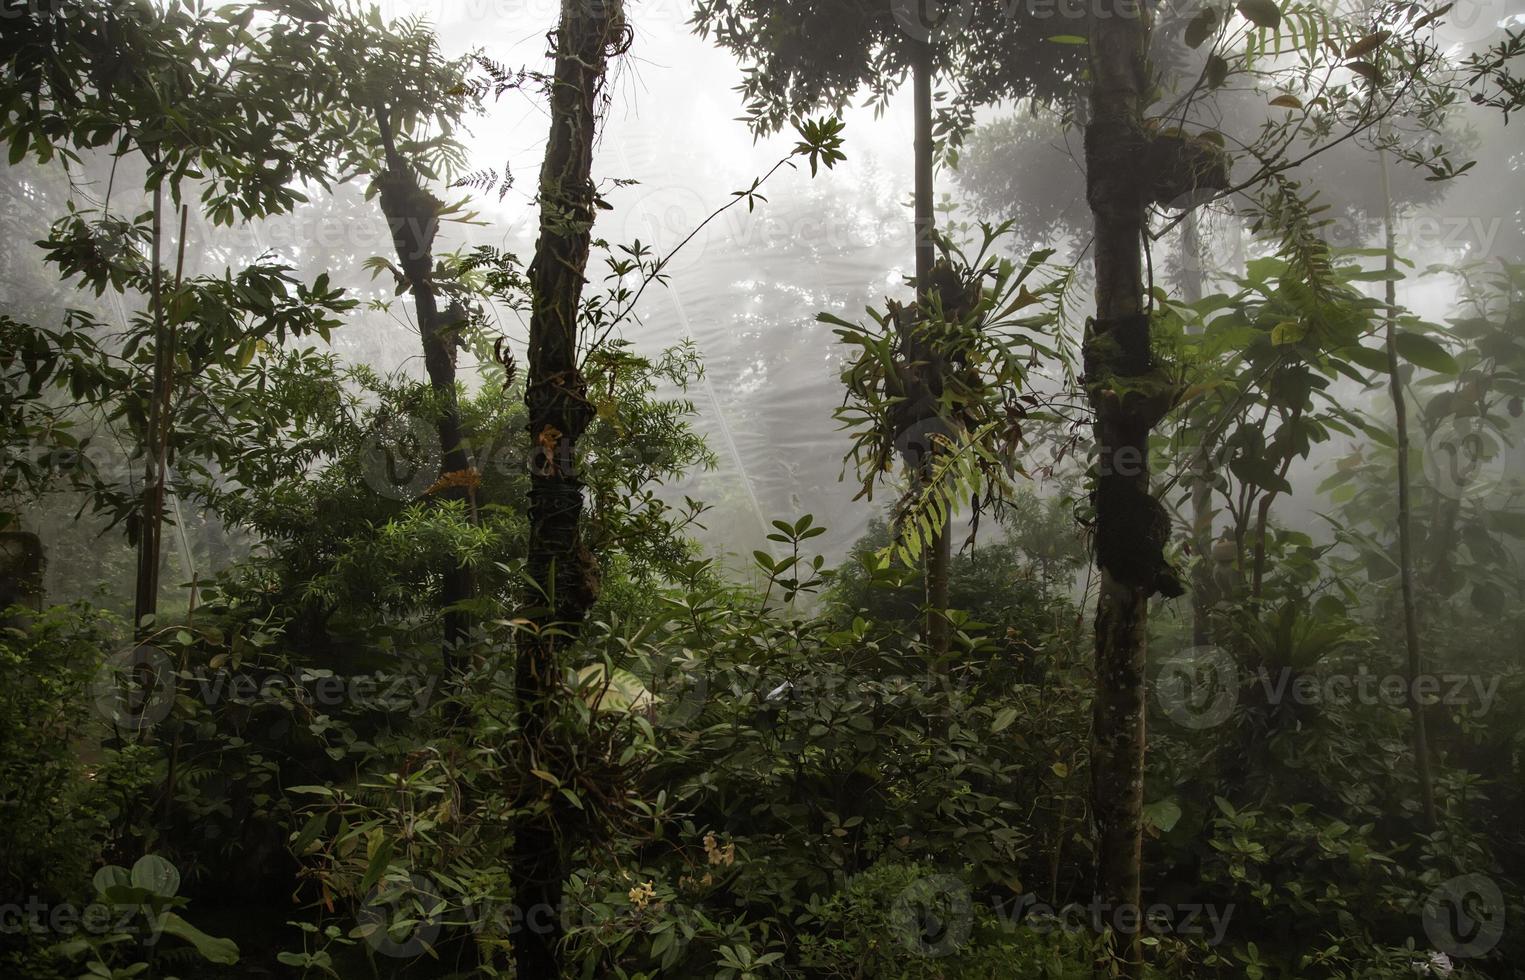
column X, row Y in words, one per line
column 938, row 558
column 562, row 569
column 1421, row 741
column 1203, row 592
column 1131, row 526
column 412, row 215
column 151, row 516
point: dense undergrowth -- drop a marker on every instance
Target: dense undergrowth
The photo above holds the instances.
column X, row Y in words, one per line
column 760, row 780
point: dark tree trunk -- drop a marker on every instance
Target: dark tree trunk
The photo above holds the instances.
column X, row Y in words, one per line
column 1203, row 591
column 1127, row 395
column 562, row 569
column 1421, row 739
column 939, row 554
column 412, row 215
column 151, row 512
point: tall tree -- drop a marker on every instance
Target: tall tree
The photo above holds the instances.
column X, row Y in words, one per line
column 1130, row 524
column 563, row 571
column 1415, row 661
column 203, row 101
column 410, row 97
column 803, row 55
column 413, row 215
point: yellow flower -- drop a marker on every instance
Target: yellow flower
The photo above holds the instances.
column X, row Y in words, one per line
column 641, row 895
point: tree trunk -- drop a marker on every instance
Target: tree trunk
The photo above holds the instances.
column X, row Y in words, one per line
column 412, row 215
column 939, row 555
column 1203, row 592
column 1131, row 526
column 151, row 515
column 562, row 569
column 1421, row 739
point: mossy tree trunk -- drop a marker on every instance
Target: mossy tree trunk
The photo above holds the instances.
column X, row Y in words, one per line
column 150, row 521
column 1119, row 373
column 562, row 569
column 938, row 558
column 412, row 215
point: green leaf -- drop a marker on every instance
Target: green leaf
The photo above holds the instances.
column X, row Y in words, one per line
column 309, row 833
column 1288, row 332
column 1163, row 814
column 1201, row 27
column 378, row 865
column 1261, row 13
column 1489, row 599
column 1217, row 71
column 1003, row 719
column 212, row 949
column 1067, row 39
column 1426, row 353
column 111, row 876
column 157, row 875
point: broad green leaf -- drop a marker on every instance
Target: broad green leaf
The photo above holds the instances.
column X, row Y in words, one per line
column 211, row 948
column 157, row 875
column 1261, row 13
column 1163, row 814
column 1426, row 353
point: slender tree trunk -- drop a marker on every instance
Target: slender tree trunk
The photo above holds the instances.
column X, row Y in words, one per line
column 562, row 569
column 1263, row 518
column 151, row 517
column 1203, row 593
column 1129, row 531
column 412, row 214
column 938, row 558
column 1405, row 536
